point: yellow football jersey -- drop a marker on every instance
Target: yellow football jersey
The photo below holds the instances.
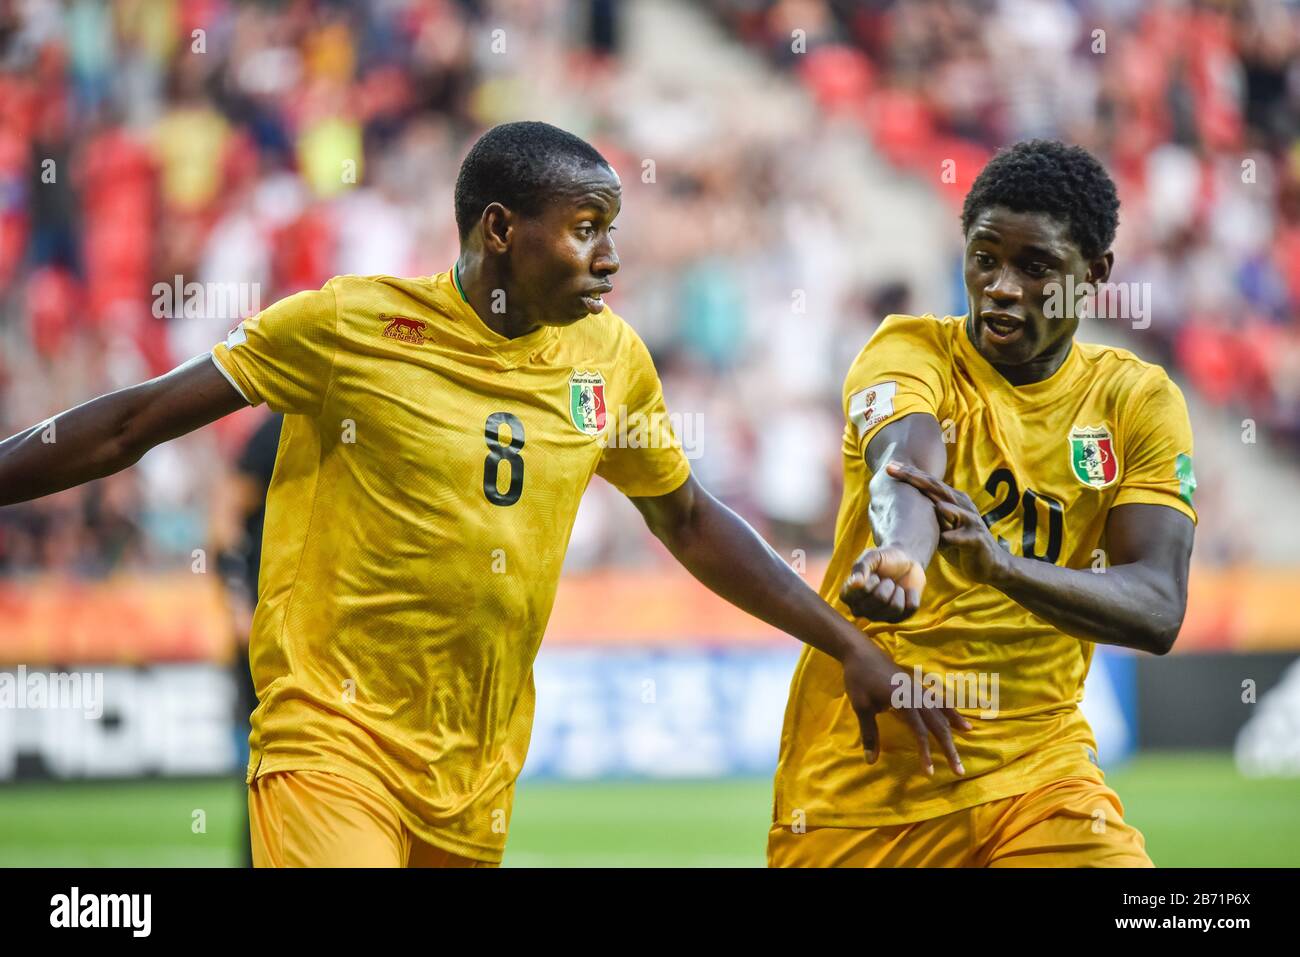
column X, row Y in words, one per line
column 426, row 484
column 1044, row 463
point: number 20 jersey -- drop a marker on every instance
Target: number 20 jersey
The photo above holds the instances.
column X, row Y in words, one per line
column 1044, row 463
column 426, row 485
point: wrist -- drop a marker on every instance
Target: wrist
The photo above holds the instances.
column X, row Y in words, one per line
column 908, row 550
column 1004, row 572
column 844, row 640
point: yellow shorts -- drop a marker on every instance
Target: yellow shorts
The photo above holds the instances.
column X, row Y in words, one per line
column 1074, row 822
column 317, row 819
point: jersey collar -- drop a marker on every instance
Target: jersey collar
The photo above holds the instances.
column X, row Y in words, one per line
column 511, row 351
column 1061, row 382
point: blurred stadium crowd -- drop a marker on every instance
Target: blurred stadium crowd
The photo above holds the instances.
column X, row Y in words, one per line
column 273, row 145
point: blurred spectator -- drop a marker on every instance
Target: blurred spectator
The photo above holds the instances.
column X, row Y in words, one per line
column 269, row 146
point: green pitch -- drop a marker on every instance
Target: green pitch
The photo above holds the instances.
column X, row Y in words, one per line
column 1195, row 811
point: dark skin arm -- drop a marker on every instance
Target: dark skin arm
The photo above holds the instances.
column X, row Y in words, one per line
column 1137, row 602
column 108, row 434
column 887, row 580
column 732, row 560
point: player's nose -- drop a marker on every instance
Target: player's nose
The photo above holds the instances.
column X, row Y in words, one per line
column 606, row 262
column 1004, row 287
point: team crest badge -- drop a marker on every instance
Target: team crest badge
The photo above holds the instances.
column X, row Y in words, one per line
column 1092, row 456
column 410, row 331
column 587, row 401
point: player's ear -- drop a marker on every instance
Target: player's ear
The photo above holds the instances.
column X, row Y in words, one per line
column 497, row 225
column 1099, row 268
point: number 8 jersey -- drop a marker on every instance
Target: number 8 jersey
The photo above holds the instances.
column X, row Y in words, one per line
column 426, row 484
column 1044, row 463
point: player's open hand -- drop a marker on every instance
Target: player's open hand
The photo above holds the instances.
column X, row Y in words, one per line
column 964, row 539
column 884, row 585
column 874, row 684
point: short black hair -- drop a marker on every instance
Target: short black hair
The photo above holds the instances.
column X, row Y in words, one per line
column 1046, row 176
column 519, row 165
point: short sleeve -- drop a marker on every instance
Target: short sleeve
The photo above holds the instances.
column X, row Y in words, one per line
column 903, row 369
column 1156, row 455
column 284, row 355
column 643, row 454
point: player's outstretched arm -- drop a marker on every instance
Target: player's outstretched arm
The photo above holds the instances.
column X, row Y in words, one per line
column 1138, row 601
column 887, row 579
column 108, row 434
column 721, row 550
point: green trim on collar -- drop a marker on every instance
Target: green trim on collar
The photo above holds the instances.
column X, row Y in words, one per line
column 455, row 277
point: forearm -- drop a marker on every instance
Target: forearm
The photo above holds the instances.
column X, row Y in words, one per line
column 1127, row 605
column 108, row 434
column 82, row 444
column 733, row 561
column 903, row 518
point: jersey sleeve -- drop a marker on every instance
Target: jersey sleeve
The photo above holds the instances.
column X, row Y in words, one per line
column 903, row 369
column 1156, row 462
column 643, row 455
column 284, row 355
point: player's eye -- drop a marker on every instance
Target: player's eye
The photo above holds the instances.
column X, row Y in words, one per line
column 586, row 230
column 984, row 260
column 1038, row 269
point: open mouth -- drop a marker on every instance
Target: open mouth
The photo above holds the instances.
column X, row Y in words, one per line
column 1002, row 329
column 595, row 299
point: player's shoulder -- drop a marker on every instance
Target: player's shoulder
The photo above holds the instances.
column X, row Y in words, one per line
column 360, row 289
column 926, row 331
column 606, row 336
column 1130, row 379
column 402, row 305
column 903, row 337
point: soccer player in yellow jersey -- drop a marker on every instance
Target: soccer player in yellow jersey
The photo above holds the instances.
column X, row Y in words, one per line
column 1011, row 498
column 438, row 435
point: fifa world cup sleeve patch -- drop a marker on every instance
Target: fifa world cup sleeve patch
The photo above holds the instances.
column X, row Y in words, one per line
column 871, row 406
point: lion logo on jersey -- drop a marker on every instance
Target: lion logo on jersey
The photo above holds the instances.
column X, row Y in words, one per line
column 410, row 331
column 1092, row 456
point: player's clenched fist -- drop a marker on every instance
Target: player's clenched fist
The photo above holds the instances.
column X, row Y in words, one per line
column 885, row 585
column 964, row 539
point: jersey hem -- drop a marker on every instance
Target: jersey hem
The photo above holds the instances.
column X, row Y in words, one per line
column 938, row 807
column 420, row 829
column 676, row 480
column 229, row 378
column 1133, row 496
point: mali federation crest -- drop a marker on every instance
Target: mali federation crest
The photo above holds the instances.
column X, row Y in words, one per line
column 1092, row 456
column 587, row 401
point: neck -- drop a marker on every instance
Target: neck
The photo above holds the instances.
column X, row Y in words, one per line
column 484, row 284
column 1027, row 373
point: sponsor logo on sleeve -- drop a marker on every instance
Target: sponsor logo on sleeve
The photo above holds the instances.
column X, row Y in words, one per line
column 872, row 405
